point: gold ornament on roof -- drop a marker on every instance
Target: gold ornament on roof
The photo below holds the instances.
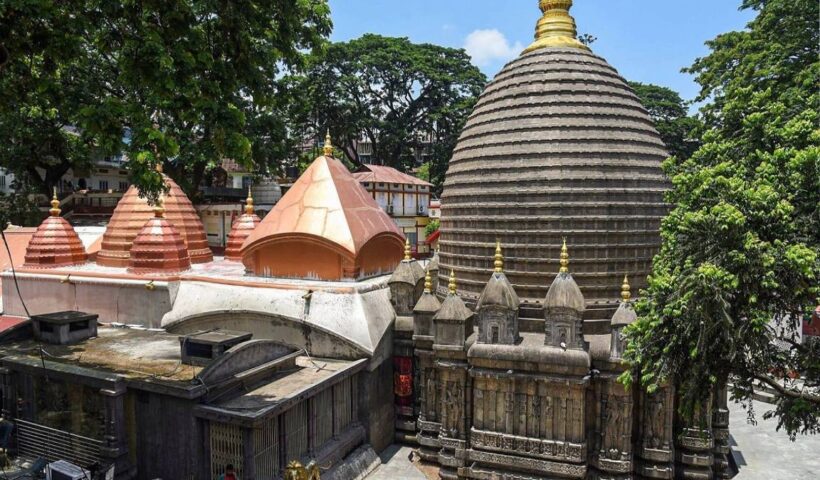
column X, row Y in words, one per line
column 452, row 284
column 296, row 471
column 55, row 205
column 428, row 282
column 159, row 208
column 626, row 294
column 564, row 258
column 556, row 28
column 499, row 258
column 159, row 168
column 328, row 149
column 249, row 202
column 408, row 253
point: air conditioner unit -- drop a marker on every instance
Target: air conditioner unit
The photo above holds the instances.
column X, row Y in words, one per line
column 390, row 209
column 62, row 470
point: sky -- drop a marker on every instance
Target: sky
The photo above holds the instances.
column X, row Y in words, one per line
column 645, row 40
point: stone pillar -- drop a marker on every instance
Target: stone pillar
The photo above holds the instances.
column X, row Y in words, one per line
column 612, row 455
column 720, row 432
column 655, row 443
column 115, row 450
column 695, row 445
column 454, row 385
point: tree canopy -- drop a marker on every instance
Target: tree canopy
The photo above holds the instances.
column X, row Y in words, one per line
column 739, row 264
column 678, row 130
column 398, row 95
column 191, row 81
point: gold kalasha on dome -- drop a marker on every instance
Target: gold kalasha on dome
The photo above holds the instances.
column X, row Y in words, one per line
column 55, row 205
column 564, row 258
column 159, row 208
column 408, row 253
column 452, row 284
column 249, row 202
column 428, row 282
column 499, row 258
column 328, row 148
column 626, row 292
column 556, row 28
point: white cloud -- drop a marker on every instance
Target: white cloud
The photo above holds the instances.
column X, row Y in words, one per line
column 488, row 46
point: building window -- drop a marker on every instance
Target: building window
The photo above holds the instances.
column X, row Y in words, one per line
column 103, row 185
column 123, row 186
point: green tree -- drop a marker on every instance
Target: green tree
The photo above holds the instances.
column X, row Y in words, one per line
column 192, row 81
column 678, row 130
column 396, row 94
column 739, row 262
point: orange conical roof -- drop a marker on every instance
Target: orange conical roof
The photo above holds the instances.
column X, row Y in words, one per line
column 133, row 212
column 55, row 243
column 240, row 230
column 158, row 248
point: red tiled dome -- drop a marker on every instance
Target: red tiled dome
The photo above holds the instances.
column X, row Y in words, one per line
column 55, row 243
column 158, row 248
column 133, row 212
column 241, row 230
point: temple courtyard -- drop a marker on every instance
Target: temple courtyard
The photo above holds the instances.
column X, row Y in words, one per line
column 760, row 451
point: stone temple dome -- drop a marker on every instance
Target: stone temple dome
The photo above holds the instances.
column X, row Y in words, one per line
column 558, row 146
column 133, row 212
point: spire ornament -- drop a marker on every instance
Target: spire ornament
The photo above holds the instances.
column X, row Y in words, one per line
column 159, row 208
column 556, row 28
column 452, row 284
column 499, row 258
column 564, row 258
column 626, row 293
column 428, row 282
column 55, row 205
column 328, row 148
column 408, row 253
column 249, row 202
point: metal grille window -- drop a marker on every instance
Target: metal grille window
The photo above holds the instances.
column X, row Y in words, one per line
column 323, row 406
column 343, row 405
column 227, row 447
column 296, row 432
column 35, row 440
column 266, row 457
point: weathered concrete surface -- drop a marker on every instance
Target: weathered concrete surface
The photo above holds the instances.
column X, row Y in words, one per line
column 396, row 465
column 762, row 453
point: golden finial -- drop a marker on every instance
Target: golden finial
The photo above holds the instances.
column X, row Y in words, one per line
column 626, row 294
column 159, row 167
column 159, row 208
column 452, row 284
column 428, row 282
column 407, row 251
column 564, row 258
column 55, row 205
column 249, row 202
column 328, row 145
column 499, row 258
column 556, row 28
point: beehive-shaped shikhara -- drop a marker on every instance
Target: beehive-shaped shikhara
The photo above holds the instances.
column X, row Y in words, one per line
column 240, row 230
column 55, row 243
column 327, row 227
column 158, row 248
column 130, row 216
column 558, row 146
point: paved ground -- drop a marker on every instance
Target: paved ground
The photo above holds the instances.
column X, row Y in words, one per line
column 761, row 452
column 765, row 454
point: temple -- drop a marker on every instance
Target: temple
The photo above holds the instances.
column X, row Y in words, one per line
column 318, row 337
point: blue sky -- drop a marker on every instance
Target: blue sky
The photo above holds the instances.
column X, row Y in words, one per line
column 646, row 40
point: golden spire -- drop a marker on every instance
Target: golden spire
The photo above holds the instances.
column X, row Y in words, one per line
column 407, row 251
column 564, row 258
column 55, row 205
column 159, row 167
column 159, row 208
column 328, row 149
column 626, row 294
column 452, row 284
column 249, row 202
column 499, row 258
column 556, row 28
column 428, row 282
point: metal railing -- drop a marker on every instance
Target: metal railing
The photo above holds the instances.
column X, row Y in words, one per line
column 35, row 440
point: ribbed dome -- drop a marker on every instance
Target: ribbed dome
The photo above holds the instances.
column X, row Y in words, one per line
column 557, row 146
column 241, row 230
column 133, row 212
column 158, row 249
column 55, row 243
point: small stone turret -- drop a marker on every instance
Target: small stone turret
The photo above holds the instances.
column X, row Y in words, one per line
column 622, row 317
column 406, row 283
column 497, row 307
column 453, row 322
column 563, row 309
column 427, row 306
